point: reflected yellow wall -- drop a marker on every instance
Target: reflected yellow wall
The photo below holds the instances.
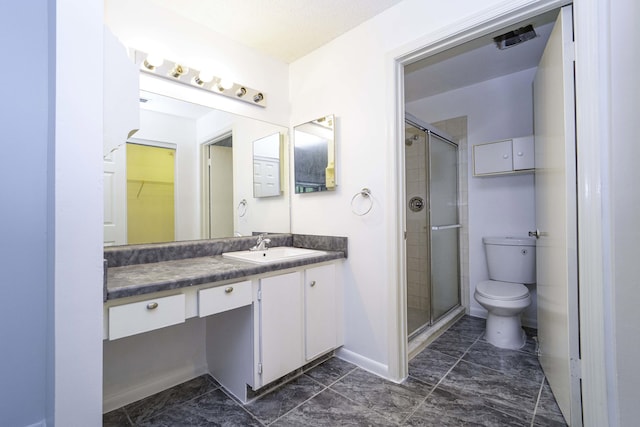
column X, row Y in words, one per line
column 150, row 194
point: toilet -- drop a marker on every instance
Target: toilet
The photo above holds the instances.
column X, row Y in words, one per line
column 512, row 264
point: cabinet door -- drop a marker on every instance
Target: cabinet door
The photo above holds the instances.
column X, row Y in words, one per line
column 321, row 315
column 523, row 153
column 494, row 157
column 280, row 326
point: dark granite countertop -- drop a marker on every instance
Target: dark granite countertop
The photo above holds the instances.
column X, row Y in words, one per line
column 140, row 279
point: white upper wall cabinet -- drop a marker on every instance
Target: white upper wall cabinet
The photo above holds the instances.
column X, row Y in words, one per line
column 504, row 157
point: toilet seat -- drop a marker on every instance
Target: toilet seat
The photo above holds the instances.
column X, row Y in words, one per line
column 502, row 291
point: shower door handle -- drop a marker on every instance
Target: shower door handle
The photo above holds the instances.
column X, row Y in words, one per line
column 444, row 227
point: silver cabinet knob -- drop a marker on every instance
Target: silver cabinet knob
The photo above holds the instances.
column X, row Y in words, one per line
column 228, row 290
column 152, row 305
column 313, row 283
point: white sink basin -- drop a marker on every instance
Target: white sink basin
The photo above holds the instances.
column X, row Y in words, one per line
column 271, row 255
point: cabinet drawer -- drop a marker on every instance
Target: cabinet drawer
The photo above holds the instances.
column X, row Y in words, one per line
column 143, row 316
column 223, row 298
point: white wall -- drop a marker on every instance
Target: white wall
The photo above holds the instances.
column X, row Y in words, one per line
column 352, row 77
column 26, row 249
column 77, row 180
column 142, row 26
column 502, row 205
column 138, row 366
column 265, row 214
column 625, row 205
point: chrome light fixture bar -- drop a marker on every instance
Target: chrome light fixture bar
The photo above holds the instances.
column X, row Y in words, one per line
column 195, row 78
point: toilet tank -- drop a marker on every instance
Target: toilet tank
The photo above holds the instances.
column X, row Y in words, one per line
column 511, row 259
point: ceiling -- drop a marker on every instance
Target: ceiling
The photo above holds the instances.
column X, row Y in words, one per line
column 476, row 61
column 290, row 29
column 284, row 29
column 175, row 107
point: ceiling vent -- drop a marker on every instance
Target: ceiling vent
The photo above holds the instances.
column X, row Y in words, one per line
column 515, row 37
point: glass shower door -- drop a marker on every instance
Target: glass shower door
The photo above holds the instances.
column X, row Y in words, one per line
column 445, row 226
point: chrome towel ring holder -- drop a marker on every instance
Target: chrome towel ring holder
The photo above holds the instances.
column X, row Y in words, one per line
column 365, row 193
column 242, row 208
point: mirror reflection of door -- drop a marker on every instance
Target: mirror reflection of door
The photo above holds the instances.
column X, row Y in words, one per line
column 266, row 166
column 218, row 187
column 150, row 194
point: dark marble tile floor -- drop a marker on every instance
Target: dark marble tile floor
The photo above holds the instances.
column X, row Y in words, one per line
column 458, row 380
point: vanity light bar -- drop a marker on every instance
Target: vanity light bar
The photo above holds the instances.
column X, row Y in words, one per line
column 195, row 78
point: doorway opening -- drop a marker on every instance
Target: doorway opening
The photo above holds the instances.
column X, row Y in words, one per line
column 150, row 194
column 492, row 87
column 217, row 187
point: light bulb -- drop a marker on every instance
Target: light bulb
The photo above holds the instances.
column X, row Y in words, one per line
column 178, row 71
column 152, row 62
column 203, row 77
column 225, row 84
column 241, row 92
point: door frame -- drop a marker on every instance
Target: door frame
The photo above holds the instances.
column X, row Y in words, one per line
column 591, row 27
column 205, row 183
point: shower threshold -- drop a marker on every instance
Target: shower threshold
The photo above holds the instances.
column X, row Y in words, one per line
column 425, row 336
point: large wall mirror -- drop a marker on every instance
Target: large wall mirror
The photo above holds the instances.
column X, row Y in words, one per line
column 314, row 155
column 188, row 174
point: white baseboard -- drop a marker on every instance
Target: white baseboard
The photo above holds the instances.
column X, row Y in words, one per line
column 158, row 384
column 478, row 312
column 365, row 363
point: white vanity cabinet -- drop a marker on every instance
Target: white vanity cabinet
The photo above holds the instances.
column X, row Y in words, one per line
column 279, row 323
column 320, row 311
column 296, row 320
column 503, row 157
column 295, row 317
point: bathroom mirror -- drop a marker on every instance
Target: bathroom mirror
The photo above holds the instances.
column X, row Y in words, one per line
column 314, row 155
column 212, row 156
column 267, row 152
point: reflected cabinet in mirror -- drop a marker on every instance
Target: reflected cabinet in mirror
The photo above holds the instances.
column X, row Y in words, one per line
column 314, row 155
column 189, row 174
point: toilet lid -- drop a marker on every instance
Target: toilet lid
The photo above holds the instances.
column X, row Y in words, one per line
column 503, row 291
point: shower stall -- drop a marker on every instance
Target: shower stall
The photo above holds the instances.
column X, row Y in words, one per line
column 432, row 225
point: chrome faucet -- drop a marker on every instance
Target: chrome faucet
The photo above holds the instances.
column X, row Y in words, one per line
column 262, row 244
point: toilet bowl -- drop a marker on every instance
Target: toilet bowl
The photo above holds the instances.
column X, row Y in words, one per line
column 511, row 263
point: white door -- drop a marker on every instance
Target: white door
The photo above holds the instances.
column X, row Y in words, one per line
column 115, row 198
column 556, row 217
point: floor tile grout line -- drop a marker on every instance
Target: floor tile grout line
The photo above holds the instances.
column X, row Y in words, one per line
column 471, row 363
column 298, row 405
column 235, row 402
column 488, row 367
column 535, row 409
column 324, row 388
column 439, row 381
column 364, row 406
column 216, row 385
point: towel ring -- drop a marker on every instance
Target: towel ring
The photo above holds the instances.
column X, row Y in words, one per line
column 242, row 208
column 366, row 194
